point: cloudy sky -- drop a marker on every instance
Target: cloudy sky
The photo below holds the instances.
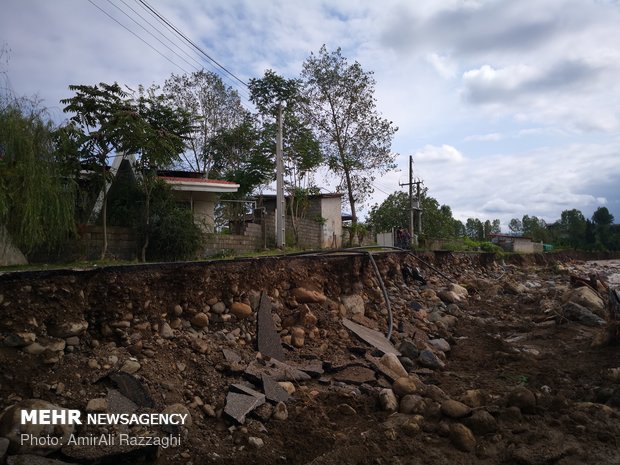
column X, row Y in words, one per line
column 508, row 107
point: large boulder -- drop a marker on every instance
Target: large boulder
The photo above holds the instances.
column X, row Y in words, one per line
column 587, row 298
column 11, row 427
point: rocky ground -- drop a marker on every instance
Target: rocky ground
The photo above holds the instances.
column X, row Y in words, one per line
column 284, row 360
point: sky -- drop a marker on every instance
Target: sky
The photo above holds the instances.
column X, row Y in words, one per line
column 507, row 107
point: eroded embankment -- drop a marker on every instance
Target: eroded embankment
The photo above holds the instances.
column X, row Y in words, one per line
column 182, row 338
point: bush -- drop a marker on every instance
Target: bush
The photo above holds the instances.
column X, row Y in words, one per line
column 173, row 233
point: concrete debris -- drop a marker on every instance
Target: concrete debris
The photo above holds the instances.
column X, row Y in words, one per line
column 268, row 340
column 370, row 336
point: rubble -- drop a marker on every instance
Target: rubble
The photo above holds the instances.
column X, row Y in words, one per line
column 288, row 360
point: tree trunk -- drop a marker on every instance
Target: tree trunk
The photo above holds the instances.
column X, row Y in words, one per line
column 104, row 212
column 352, row 204
column 147, row 222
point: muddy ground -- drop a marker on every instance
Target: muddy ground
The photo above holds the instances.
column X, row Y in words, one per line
column 530, row 385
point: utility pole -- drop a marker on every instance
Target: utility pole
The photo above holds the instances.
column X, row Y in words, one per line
column 415, row 212
column 280, row 202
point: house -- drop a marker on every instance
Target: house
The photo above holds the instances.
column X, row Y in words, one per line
column 518, row 244
column 200, row 194
column 320, row 226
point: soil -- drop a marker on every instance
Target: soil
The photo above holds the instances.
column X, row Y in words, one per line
column 500, row 339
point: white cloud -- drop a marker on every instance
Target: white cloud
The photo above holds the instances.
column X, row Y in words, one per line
column 443, row 154
column 444, row 66
column 492, row 137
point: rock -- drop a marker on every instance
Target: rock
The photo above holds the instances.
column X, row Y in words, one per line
column 181, row 410
column 408, row 349
column 218, row 308
column 449, row 297
column 587, row 298
column 346, row 409
column 267, row 338
column 388, row 400
column 73, row 341
column 19, row 339
column 458, row 290
column 408, row 385
column 575, row 312
column 435, row 393
column 177, row 310
column 34, row 349
column 440, row 344
column 412, row 404
column 93, row 364
column 240, row 310
column 429, row 294
column 482, row 422
column 240, row 405
column 298, row 336
column 280, row 412
column 391, row 362
column 255, row 442
column 288, row 387
column 511, row 287
column 273, row 391
column 454, row 409
column 132, row 388
column 11, row 427
column 201, row 345
column 67, row 328
column 4, row 442
column 462, row 437
column 428, row 359
column 307, row 296
column 523, row 398
column 200, row 320
column 100, row 404
column 354, row 304
column 130, row 366
column 166, row 331
column 474, row 398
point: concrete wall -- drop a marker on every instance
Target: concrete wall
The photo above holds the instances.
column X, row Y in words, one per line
column 9, row 254
column 331, row 231
column 250, row 241
column 202, row 205
column 122, row 243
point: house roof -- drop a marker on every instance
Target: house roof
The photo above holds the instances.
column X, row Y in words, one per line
column 510, row 236
column 200, row 184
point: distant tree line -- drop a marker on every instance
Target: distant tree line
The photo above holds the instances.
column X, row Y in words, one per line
column 572, row 230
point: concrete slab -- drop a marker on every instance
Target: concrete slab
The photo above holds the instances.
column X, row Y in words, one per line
column 370, row 336
column 269, row 342
column 240, row 405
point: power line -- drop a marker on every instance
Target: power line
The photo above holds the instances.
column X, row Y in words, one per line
column 132, row 32
column 168, row 26
column 156, row 29
column 189, row 41
column 149, row 32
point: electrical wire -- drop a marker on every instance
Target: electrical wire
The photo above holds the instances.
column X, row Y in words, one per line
column 189, row 41
column 136, row 35
column 150, row 33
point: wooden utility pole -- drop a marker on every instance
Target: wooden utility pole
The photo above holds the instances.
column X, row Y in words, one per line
column 280, row 201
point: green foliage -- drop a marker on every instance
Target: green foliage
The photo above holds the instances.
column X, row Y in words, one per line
column 341, row 106
column 36, row 196
column 173, row 234
column 216, row 109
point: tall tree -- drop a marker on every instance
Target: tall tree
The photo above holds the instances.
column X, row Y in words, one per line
column 36, row 195
column 301, row 153
column 154, row 131
column 573, row 227
column 97, row 111
column 603, row 220
column 355, row 139
column 217, row 108
column 516, row 226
